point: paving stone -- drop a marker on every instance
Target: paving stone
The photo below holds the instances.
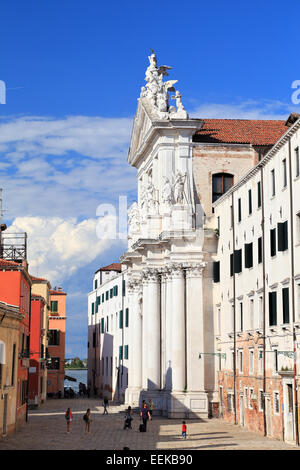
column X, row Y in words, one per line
column 47, row 430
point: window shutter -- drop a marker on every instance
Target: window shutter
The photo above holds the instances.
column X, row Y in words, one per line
column 120, row 352
column 102, row 325
column 282, row 229
column 127, row 317
column 250, row 201
column 237, row 261
column 259, row 250
column 93, row 308
column 272, row 309
column 248, row 255
column 126, row 351
column 216, row 271
column 285, row 305
column 121, row 319
column 107, row 295
column 231, row 264
column 273, row 241
column 258, row 195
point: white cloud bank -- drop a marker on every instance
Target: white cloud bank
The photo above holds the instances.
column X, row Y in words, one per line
column 57, row 247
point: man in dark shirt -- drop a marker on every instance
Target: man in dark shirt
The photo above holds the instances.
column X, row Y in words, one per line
column 145, row 415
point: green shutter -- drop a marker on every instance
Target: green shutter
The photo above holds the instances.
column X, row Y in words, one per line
column 102, row 325
column 121, row 319
column 111, row 293
column 103, row 297
column 248, row 255
column 127, row 317
column 115, row 291
column 106, row 295
column 120, row 352
column 285, row 305
column 126, row 351
column 282, row 229
column 272, row 309
column 93, row 308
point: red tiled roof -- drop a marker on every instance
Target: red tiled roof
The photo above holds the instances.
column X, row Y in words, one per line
column 5, row 262
column 57, row 292
column 112, row 267
column 241, row 131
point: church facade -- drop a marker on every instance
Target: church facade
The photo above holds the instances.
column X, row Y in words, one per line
column 183, row 166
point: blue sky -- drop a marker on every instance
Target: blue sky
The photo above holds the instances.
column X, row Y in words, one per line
column 73, row 72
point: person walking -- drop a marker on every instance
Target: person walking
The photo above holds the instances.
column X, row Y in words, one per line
column 128, row 418
column 105, row 404
column 68, row 417
column 145, row 415
column 87, row 419
column 183, row 430
column 151, row 407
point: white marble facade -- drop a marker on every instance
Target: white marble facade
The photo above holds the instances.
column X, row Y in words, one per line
column 165, row 259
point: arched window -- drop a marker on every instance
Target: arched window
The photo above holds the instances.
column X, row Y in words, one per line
column 220, row 184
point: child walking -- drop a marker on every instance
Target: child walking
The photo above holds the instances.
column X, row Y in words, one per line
column 87, row 419
column 68, row 417
column 183, row 430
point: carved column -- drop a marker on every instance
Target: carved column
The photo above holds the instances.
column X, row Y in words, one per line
column 151, row 329
column 195, row 327
column 168, row 328
column 134, row 289
column 178, row 329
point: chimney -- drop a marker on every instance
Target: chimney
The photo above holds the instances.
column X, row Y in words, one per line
column 59, row 289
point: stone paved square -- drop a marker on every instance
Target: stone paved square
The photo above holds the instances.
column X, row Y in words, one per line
column 46, row 430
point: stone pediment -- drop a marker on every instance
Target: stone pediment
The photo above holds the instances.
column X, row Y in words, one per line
column 141, row 127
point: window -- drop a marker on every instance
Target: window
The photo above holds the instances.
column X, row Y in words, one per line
column 276, row 403
column 221, row 182
column 260, row 362
column 241, row 317
column 123, row 288
column 126, row 318
column 111, row 293
column 115, row 291
column 273, row 189
column 231, row 264
column 260, row 400
column 96, row 284
column 248, row 255
column 120, row 352
column 107, row 324
column 284, row 175
column 230, row 402
column 273, row 242
column 275, row 361
column 272, row 308
column 107, row 295
column 250, row 398
column 250, row 201
column 53, row 337
column 282, row 229
column 121, row 319
column 240, row 361
column 297, row 161
column 239, row 210
column 53, row 363
column 258, row 194
column 260, row 312
column 13, row 365
column 126, row 351
column 251, row 361
column 103, row 297
column 285, row 305
column 216, row 271
column 259, row 250
column 102, row 325
column 237, row 261
column 251, row 314
column 93, row 308
column 54, row 306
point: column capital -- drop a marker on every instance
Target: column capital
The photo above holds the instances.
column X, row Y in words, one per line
column 150, row 274
column 176, row 270
column 194, row 269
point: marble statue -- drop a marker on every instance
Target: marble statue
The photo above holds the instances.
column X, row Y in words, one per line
column 134, row 219
column 179, row 187
column 167, row 192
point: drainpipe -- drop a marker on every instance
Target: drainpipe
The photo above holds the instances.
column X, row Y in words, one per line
column 293, row 295
column 234, row 312
column 264, row 294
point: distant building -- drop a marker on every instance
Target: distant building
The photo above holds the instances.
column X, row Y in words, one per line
column 41, row 286
column 15, row 288
column 56, row 342
column 108, row 333
column 36, row 357
column 10, row 327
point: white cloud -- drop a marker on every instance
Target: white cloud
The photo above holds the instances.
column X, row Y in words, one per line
column 58, row 248
column 248, row 109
